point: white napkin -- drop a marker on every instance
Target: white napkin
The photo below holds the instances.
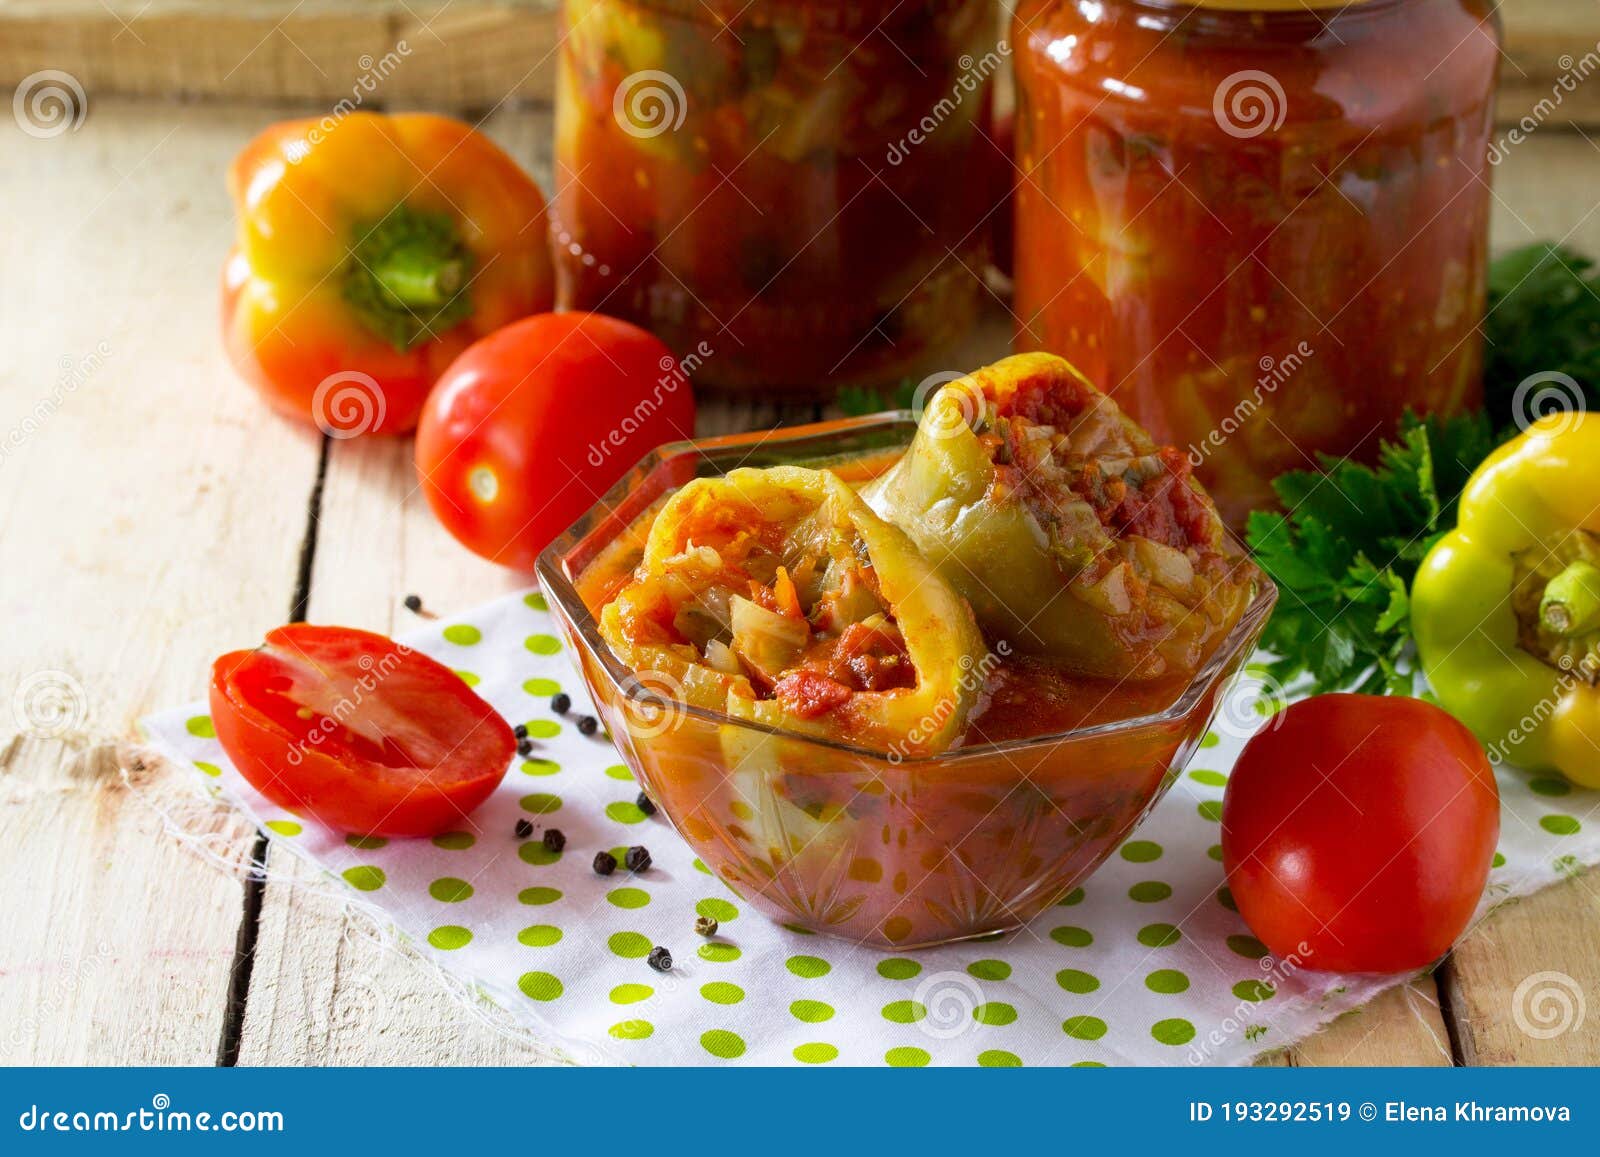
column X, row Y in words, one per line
column 1145, row 964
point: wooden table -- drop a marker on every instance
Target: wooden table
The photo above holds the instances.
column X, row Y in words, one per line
column 154, row 514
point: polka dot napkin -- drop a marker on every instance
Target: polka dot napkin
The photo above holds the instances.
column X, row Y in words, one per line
column 1147, row 963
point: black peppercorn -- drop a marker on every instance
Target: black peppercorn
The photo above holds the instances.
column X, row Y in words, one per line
column 525, row 747
column 414, row 603
column 604, row 863
column 524, row 829
column 660, row 959
column 554, row 840
column 705, row 925
column 520, row 731
column 562, row 703
column 588, row 724
column 638, row 858
column 645, row 804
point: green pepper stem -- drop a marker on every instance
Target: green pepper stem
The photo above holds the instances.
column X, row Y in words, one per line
column 419, row 277
column 1571, row 602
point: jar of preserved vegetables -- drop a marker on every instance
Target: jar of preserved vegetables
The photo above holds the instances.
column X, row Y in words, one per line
column 1261, row 225
column 782, row 190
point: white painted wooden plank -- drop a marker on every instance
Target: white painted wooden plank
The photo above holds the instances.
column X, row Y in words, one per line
column 151, row 514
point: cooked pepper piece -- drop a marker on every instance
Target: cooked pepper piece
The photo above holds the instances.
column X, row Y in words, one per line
column 778, row 596
column 1506, row 607
column 1072, row 534
column 370, row 252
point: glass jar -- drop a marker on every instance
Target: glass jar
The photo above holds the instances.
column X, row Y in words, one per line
column 780, row 190
column 1263, row 228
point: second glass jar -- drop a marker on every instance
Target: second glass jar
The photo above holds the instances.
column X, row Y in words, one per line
column 782, row 191
column 1262, row 228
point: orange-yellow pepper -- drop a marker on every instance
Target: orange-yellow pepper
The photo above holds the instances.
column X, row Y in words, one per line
column 372, row 250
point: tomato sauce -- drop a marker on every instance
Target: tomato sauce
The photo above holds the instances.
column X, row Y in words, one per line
column 1262, row 229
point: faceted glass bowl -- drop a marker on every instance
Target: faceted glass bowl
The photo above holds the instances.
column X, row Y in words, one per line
column 838, row 839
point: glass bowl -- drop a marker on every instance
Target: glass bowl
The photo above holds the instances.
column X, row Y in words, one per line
column 891, row 851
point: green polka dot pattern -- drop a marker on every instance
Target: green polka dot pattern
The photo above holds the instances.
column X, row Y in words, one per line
column 1144, row 962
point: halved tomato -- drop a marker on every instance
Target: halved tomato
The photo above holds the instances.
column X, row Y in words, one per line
column 360, row 732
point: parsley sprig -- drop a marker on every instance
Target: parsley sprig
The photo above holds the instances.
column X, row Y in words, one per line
column 1351, row 540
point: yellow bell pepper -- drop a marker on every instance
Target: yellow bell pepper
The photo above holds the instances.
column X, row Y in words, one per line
column 1506, row 608
column 779, row 597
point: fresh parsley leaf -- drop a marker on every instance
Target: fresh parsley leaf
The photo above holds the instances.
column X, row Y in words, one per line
column 1344, row 553
column 1543, row 316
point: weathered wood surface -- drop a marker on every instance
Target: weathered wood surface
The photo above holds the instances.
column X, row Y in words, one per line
column 476, row 54
column 151, row 515
column 155, row 517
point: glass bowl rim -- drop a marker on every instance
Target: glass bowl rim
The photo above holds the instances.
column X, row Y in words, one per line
column 562, row 593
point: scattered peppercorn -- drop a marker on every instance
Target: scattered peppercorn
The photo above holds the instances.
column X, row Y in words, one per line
column 414, row 603
column 524, row 829
column 588, row 725
column 604, row 863
column 525, row 747
column 660, row 959
column 638, row 858
column 562, row 703
column 554, row 839
column 520, row 731
column 645, row 804
column 705, row 925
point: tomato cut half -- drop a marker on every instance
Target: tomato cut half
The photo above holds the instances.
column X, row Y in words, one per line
column 357, row 731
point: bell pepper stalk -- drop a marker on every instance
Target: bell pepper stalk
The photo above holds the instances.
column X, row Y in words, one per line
column 778, row 597
column 1506, row 608
column 370, row 252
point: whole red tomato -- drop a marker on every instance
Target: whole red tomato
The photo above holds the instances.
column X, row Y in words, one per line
column 531, row 425
column 358, row 732
column 1358, row 830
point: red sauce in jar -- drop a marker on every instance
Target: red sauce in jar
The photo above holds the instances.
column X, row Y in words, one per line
column 1264, row 231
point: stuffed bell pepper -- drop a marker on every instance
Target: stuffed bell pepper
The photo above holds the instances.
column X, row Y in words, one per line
column 1073, row 535
column 779, row 597
column 1506, row 607
column 372, row 250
